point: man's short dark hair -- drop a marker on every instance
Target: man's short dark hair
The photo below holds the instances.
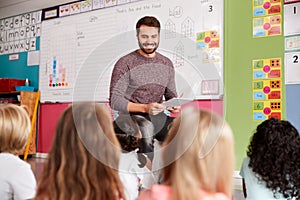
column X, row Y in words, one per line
column 148, row 21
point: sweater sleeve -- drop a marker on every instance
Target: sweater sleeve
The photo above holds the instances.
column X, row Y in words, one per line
column 118, row 86
column 170, row 91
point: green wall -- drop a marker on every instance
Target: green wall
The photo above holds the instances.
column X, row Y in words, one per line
column 239, row 51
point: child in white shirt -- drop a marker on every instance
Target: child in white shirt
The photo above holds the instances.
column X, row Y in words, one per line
column 17, row 180
column 134, row 167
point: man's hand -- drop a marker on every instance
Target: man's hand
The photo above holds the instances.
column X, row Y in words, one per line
column 155, row 108
column 175, row 109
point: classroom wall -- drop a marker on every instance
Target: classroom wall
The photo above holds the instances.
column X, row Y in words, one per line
column 240, row 49
column 292, row 104
column 18, row 68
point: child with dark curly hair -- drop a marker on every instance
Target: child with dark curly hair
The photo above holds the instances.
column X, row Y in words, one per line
column 135, row 166
column 272, row 168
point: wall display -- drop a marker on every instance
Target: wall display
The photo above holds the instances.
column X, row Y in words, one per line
column 19, row 33
column 267, row 26
column 263, row 110
column 267, row 88
column 291, row 19
column 292, row 43
column 266, row 7
column 292, row 68
column 267, row 68
column 78, row 51
column 291, row 1
column 209, row 42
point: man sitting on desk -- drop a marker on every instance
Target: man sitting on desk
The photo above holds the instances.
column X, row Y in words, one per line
column 142, row 78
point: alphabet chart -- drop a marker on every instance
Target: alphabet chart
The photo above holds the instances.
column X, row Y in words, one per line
column 18, row 33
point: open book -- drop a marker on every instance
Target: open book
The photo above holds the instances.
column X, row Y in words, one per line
column 176, row 102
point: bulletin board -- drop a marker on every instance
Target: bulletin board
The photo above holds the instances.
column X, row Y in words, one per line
column 78, row 52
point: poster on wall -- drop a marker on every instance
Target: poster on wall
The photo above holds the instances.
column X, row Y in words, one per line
column 292, row 67
column 267, row 68
column 263, row 110
column 267, row 88
column 19, row 33
column 267, row 19
column 292, row 43
column 291, row 19
column 266, row 7
column 267, row 26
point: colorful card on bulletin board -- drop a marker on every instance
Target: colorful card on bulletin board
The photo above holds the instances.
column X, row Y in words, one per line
column 209, row 42
column 263, row 110
column 75, row 8
column 64, row 10
column 292, row 43
column 86, row 5
column 208, row 39
column 267, row 26
column 109, row 3
column 266, row 7
column 266, row 89
column 267, row 68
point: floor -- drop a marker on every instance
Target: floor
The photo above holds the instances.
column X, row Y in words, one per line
column 37, row 164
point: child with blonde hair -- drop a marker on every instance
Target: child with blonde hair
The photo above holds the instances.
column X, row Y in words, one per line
column 84, row 158
column 198, row 159
column 17, row 180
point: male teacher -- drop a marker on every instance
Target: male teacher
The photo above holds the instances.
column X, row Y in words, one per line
column 142, row 78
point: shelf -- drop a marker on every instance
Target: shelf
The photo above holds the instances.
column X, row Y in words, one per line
column 10, row 93
column 10, row 97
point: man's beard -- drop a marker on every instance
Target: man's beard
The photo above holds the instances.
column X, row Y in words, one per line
column 148, row 52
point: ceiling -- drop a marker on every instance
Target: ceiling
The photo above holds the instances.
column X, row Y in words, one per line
column 5, row 3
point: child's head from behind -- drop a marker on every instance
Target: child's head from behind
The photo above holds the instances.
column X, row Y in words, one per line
column 271, row 136
column 84, row 129
column 134, row 132
column 274, row 156
column 199, row 154
column 14, row 128
column 84, row 156
column 127, row 132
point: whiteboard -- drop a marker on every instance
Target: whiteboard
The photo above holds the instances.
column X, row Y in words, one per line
column 78, row 52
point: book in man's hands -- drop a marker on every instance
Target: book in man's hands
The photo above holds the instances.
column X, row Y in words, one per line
column 176, row 102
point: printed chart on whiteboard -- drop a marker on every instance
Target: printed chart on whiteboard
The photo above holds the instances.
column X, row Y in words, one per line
column 78, row 51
